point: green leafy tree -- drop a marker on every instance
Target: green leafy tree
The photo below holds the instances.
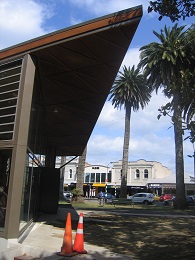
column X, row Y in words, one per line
column 163, row 63
column 129, row 90
column 174, row 9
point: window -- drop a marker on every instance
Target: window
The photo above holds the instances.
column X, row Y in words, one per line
column 137, row 174
column 5, row 164
column 145, row 174
column 87, row 175
column 109, row 176
column 70, row 173
column 92, row 177
column 98, row 177
column 95, row 168
column 103, row 177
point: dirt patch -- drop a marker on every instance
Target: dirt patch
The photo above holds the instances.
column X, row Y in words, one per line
column 142, row 237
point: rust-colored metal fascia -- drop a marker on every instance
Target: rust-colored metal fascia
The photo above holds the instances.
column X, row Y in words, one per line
column 73, row 31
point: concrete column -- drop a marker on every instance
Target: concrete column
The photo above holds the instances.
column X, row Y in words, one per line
column 20, row 149
column 50, row 157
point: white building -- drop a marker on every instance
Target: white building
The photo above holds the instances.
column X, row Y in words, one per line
column 140, row 171
column 168, row 184
column 138, row 174
column 99, row 177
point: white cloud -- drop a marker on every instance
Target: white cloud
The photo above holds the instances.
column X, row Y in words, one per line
column 147, row 118
column 105, row 7
column 102, row 142
column 21, row 20
column 131, row 58
column 74, row 20
column 102, row 148
column 143, row 120
column 110, row 117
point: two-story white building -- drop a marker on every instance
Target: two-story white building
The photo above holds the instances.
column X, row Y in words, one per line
column 138, row 174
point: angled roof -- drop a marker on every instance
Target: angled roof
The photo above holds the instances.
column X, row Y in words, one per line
column 76, row 67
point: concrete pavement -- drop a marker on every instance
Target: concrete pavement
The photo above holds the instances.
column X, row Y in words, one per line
column 45, row 239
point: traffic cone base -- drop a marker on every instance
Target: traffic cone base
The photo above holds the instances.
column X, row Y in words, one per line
column 81, row 252
column 68, row 255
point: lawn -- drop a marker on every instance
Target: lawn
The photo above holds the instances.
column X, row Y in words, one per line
column 123, row 230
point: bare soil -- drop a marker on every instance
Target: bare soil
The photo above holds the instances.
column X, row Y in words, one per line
column 161, row 235
column 143, row 237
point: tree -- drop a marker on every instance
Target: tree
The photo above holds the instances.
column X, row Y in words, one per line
column 163, row 63
column 174, row 9
column 61, row 190
column 80, row 177
column 188, row 76
column 129, row 90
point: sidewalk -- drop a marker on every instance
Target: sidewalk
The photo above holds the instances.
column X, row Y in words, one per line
column 46, row 237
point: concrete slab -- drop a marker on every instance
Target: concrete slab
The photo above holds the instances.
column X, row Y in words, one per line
column 46, row 238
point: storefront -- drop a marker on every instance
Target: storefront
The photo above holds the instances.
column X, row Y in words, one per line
column 167, row 185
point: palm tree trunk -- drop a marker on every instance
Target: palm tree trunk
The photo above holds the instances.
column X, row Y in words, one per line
column 180, row 201
column 80, row 176
column 61, row 190
column 123, row 191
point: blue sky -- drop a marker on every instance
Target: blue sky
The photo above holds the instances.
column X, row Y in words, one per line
column 150, row 139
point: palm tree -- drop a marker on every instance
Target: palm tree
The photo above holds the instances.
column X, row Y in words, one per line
column 80, row 176
column 130, row 90
column 188, row 76
column 61, row 190
column 163, row 63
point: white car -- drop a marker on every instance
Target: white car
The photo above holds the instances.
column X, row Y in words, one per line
column 144, row 198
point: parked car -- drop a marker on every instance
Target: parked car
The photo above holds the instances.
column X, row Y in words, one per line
column 164, row 197
column 68, row 196
column 144, row 198
column 190, row 200
column 105, row 195
column 156, row 197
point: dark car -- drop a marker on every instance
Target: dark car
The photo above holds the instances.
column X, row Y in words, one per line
column 190, row 200
column 105, row 195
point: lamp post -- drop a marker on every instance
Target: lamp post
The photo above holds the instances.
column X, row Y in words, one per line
column 107, row 177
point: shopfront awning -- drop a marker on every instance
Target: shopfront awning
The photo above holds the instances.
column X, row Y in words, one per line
column 98, row 184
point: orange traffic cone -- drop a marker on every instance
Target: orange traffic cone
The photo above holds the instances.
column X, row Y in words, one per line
column 67, row 249
column 79, row 238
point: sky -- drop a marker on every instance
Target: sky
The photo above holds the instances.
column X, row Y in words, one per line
column 150, row 139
